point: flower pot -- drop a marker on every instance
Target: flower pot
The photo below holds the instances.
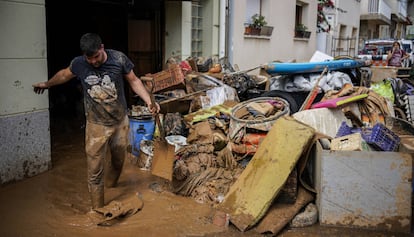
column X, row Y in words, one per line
column 302, row 34
column 247, row 30
column 266, row 30
column 255, row 31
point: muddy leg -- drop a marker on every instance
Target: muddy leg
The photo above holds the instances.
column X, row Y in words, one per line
column 118, row 146
column 96, row 147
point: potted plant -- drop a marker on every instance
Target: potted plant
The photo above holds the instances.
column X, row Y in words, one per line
column 301, row 31
column 258, row 21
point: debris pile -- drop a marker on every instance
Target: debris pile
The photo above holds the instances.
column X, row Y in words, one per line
column 254, row 155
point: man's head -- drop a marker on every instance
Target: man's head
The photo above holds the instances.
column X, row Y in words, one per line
column 93, row 49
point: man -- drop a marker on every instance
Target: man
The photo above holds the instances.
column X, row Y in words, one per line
column 101, row 73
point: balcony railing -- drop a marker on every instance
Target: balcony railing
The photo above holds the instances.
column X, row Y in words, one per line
column 379, row 7
column 402, row 9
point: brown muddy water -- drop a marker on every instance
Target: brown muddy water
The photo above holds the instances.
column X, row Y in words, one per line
column 55, row 203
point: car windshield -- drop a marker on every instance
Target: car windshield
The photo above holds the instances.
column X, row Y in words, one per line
column 406, row 48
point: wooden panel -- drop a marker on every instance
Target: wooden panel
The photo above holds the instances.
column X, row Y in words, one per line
column 140, row 35
column 251, row 195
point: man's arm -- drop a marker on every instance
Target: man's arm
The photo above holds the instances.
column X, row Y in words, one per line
column 62, row 76
column 139, row 89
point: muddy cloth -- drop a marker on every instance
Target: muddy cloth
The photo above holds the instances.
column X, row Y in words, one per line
column 116, row 210
column 208, row 186
column 205, row 177
column 373, row 109
column 174, row 124
column 191, row 149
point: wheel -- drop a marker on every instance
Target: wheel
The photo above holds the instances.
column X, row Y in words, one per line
column 293, row 105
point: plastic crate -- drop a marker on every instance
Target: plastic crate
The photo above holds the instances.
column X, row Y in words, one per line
column 344, row 130
column 166, row 78
column 381, row 137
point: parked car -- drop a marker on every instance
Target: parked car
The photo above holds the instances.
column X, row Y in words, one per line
column 407, row 46
column 377, row 50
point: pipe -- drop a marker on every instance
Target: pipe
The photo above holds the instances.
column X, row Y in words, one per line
column 222, row 37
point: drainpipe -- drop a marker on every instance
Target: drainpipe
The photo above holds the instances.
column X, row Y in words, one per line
column 223, row 26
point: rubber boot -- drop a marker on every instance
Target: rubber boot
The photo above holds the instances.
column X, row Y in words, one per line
column 97, row 197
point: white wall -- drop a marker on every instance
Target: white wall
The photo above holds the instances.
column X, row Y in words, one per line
column 24, row 115
column 250, row 52
column 346, row 15
column 173, row 29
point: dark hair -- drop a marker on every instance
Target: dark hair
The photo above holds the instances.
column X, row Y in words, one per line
column 90, row 43
column 396, row 42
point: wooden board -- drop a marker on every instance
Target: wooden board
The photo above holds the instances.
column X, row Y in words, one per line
column 163, row 159
column 257, row 186
column 280, row 214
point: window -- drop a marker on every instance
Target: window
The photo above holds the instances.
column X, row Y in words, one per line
column 252, row 7
column 196, row 29
column 298, row 16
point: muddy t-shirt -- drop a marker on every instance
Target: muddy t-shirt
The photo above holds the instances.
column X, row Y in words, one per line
column 103, row 87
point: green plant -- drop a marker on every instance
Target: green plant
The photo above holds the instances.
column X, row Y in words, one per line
column 258, row 21
column 301, row 27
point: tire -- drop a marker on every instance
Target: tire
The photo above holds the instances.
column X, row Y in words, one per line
column 293, row 105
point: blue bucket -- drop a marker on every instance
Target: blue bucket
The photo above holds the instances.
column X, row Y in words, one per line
column 140, row 129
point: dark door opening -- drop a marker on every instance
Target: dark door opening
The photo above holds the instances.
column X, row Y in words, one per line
column 67, row 20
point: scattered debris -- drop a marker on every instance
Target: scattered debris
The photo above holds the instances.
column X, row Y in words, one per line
column 230, row 139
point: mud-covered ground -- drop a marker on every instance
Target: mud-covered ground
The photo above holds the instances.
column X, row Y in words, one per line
column 55, row 203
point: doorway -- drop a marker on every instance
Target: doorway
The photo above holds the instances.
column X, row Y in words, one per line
column 133, row 27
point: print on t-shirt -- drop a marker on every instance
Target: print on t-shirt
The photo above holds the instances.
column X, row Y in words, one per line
column 102, row 88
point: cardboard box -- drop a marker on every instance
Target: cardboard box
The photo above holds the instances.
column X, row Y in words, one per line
column 380, row 73
column 351, row 142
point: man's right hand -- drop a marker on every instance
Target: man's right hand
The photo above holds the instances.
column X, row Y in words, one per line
column 40, row 87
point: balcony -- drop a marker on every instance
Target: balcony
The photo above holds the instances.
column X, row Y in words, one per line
column 377, row 11
column 399, row 11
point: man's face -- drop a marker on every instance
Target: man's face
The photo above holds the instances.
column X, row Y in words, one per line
column 97, row 59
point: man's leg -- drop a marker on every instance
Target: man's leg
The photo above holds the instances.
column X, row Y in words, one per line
column 95, row 147
column 118, row 145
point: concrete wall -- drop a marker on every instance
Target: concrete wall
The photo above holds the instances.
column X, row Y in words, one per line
column 173, row 29
column 347, row 16
column 24, row 115
column 249, row 52
column 179, row 24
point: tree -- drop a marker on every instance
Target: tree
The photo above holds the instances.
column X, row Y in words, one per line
column 322, row 23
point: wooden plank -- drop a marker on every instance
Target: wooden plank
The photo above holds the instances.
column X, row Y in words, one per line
column 257, row 186
column 280, row 214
